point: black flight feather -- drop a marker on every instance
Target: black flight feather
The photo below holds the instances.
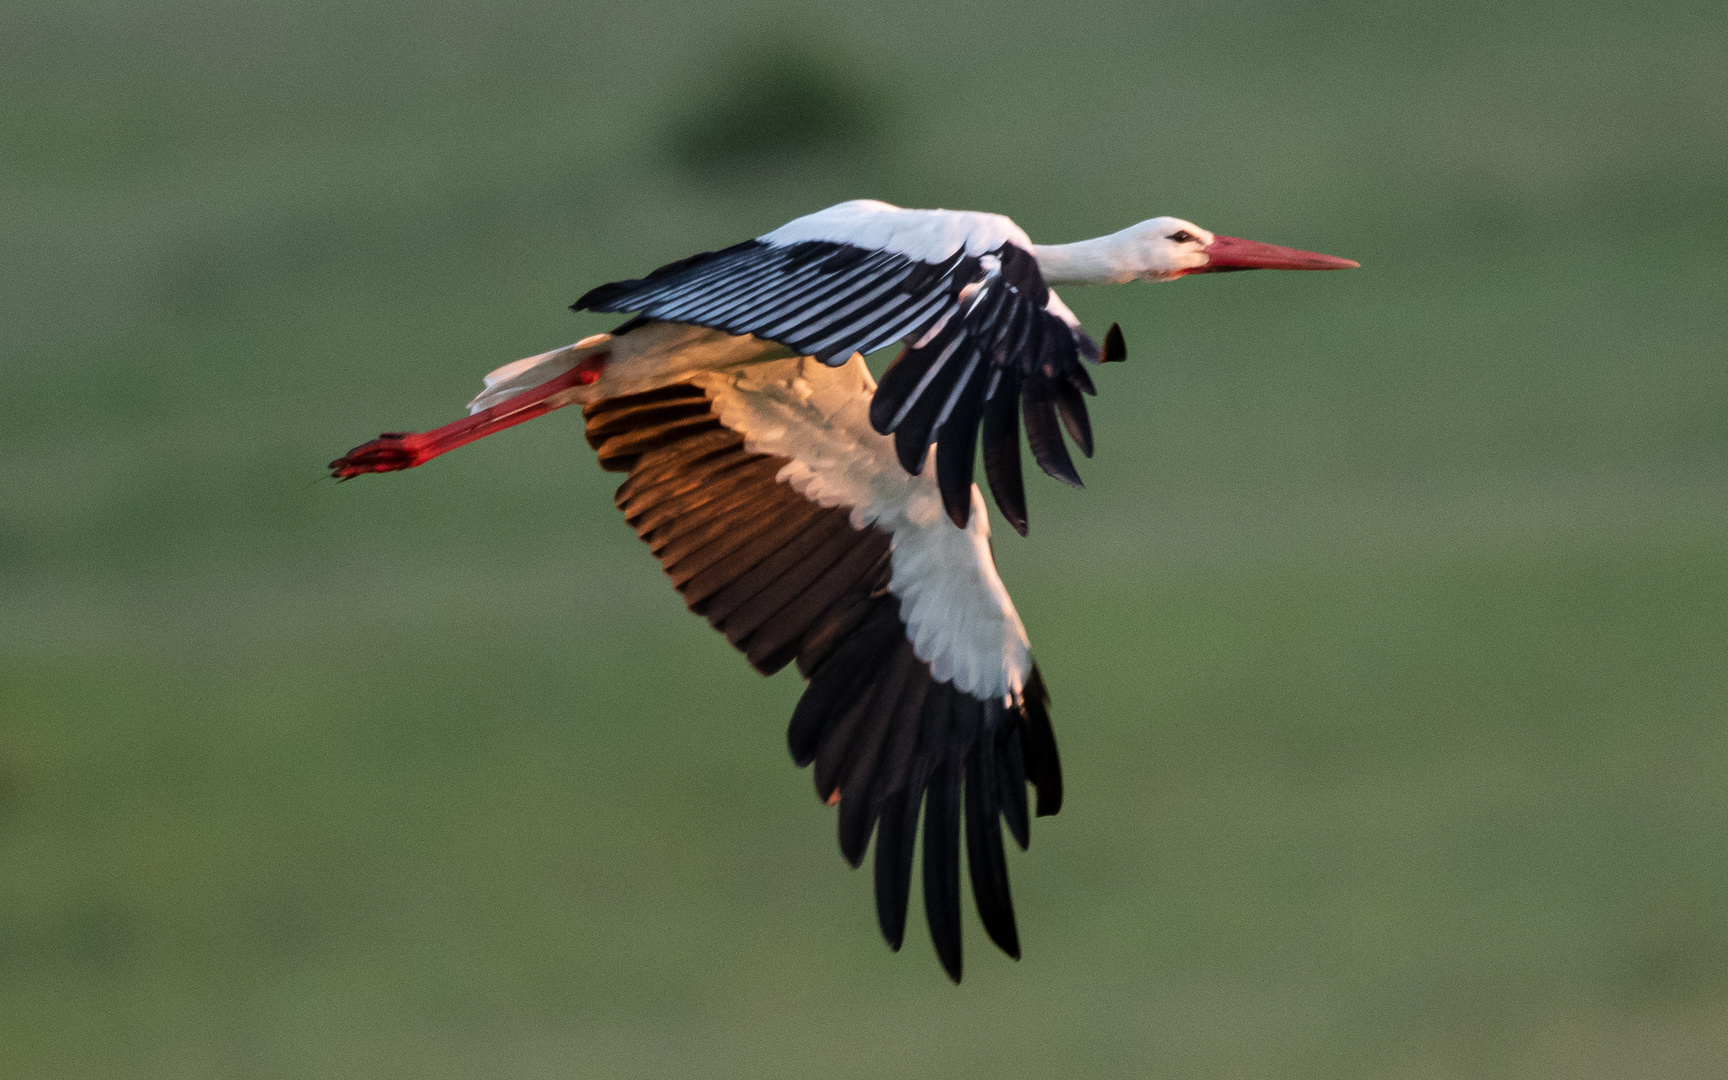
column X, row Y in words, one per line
column 831, row 757
column 942, row 866
column 1081, row 381
column 1011, row 779
column 1072, row 408
column 956, row 452
column 602, row 297
column 912, row 436
column 894, row 846
column 895, row 772
column 1002, row 450
column 836, row 683
column 775, row 644
column 1042, row 435
column 834, row 627
column 984, row 856
column 858, row 802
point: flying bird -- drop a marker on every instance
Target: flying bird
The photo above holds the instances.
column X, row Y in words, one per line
column 817, row 517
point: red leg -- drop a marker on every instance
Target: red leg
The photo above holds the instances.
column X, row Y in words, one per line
column 395, row 450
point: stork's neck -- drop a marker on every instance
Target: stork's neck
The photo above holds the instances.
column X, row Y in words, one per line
column 1107, row 259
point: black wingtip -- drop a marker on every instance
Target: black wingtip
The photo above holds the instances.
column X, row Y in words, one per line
column 911, row 448
column 895, row 838
column 895, row 387
column 1043, row 436
column 942, row 867
column 956, row 454
column 1071, row 407
column 1115, row 348
column 984, row 855
column 1011, row 785
column 1057, row 470
column 856, row 821
column 1002, row 451
column 597, row 298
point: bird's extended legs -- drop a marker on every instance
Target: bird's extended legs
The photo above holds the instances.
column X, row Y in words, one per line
column 396, row 450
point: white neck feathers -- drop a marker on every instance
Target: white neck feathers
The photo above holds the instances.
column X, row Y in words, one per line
column 1105, row 260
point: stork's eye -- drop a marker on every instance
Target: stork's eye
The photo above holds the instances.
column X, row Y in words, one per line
column 1181, row 236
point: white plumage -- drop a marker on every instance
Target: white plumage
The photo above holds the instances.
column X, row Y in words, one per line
column 926, row 235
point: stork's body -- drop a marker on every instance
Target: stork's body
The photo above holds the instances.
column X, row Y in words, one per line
column 814, row 517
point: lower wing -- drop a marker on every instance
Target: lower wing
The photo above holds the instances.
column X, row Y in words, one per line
column 789, row 524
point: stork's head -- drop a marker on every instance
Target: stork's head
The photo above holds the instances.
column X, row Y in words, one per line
column 1166, row 248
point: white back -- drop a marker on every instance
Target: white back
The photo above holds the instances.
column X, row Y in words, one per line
column 926, row 235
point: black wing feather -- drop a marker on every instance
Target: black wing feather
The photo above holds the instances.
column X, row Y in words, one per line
column 858, row 801
column 895, row 840
column 1011, row 763
column 822, row 706
column 906, row 376
column 1072, row 408
column 1002, row 449
column 935, row 406
column 942, row 865
column 1042, row 434
column 956, row 449
column 984, row 857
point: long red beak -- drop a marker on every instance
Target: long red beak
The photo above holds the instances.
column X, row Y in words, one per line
column 1234, row 253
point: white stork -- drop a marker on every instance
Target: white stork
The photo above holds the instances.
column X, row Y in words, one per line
column 794, row 502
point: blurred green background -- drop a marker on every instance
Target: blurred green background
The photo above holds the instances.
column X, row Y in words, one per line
column 1389, row 642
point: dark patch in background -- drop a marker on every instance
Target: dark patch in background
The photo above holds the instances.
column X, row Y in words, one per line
column 773, row 101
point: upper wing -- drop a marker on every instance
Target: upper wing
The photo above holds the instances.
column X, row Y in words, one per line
column 785, row 521
column 964, row 291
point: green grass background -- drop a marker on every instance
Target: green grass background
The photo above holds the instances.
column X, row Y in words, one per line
column 1389, row 641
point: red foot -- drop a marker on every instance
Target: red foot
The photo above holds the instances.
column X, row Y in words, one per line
column 389, row 452
column 395, row 450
